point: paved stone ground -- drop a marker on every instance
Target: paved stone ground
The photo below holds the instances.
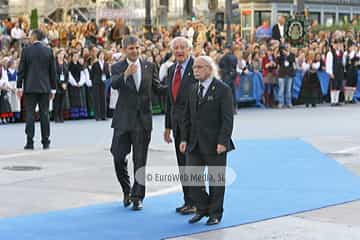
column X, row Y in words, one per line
column 78, row 170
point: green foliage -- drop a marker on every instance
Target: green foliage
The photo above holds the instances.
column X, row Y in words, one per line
column 34, row 19
column 119, row 3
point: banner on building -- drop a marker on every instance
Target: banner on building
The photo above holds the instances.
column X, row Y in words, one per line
column 295, row 32
column 123, row 13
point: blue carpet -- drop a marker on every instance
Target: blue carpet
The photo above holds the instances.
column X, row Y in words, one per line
column 274, row 178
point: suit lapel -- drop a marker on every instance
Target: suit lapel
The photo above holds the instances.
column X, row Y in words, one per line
column 184, row 80
column 187, row 71
column 143, row 70
column 171, row 76
column 130, row 80
column 209, row 91
column 187, row 74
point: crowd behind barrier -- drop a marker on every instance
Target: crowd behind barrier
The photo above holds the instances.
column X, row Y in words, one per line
column 269, row 71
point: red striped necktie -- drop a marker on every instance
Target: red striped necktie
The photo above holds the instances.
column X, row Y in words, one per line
column 176, row 82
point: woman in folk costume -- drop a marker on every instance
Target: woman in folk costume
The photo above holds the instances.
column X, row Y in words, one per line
column 14, row 100
column 335, row 68
column 5, row 108
column 351, row 67
column 85, row 85
column 88, row 82
column 62, row 79
column 77, row 107
column 311, row 93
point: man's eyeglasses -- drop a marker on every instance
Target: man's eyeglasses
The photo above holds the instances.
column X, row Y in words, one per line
column 199, row 66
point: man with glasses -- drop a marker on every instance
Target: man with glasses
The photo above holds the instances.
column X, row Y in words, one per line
column 206, row 137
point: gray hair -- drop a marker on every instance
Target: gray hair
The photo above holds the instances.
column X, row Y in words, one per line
column 212, row 64
column 181, row 39
column 129, row 40
column 38, row 34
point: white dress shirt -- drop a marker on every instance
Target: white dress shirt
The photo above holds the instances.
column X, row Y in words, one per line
column 206, row 84
column 137, row 75
column 329, row 63
column 17, row 33
column 281, row 29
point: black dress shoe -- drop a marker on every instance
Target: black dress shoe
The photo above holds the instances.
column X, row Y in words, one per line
column 196, row 218
column 127, row 200
column 46, row 146
column 137, row 205
column 212, row 221
column 179, row 209
column 188, row 210
column 29, row 146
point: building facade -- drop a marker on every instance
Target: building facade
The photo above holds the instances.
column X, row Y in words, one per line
column 326, row 12
column 251, row 12
column 173, row 9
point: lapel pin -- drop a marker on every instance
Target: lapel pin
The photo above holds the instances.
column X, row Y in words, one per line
column 213, row 88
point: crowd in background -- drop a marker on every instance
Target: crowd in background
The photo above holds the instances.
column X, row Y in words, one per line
column 85, row 52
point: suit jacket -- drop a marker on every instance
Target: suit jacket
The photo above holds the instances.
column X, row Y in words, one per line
column 211, row 122
column 175, row 109
column 132, row 103
column 64, row 69
column 96, row 73
column 276, row 32
column 37, row 73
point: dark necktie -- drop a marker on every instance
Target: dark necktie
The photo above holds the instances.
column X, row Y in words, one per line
column 200, row 93
column 176, row 82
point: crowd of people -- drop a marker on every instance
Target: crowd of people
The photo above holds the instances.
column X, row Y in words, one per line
column 85, row 52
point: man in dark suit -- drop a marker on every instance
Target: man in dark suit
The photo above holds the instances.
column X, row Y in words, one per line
column 278, row 30
column 37, row 82
column 206, row 137
column 227, row 65
column 180, row 79
column 132, row 120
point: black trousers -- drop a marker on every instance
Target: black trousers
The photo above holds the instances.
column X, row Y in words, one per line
column 31, row 100
column 139, row 140
column 99, row 101
column 181, row 161
column 209, row 204
column 59, row 103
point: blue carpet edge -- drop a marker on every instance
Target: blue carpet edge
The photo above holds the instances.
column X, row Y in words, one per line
column 234, row 225
column 265, row 219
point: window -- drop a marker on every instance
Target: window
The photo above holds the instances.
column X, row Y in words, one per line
column 329, row 19
column 315, row 16
column 246, row 20
column 344, row 18
column 259, row 16
column 286, row 14
column 356, row 16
